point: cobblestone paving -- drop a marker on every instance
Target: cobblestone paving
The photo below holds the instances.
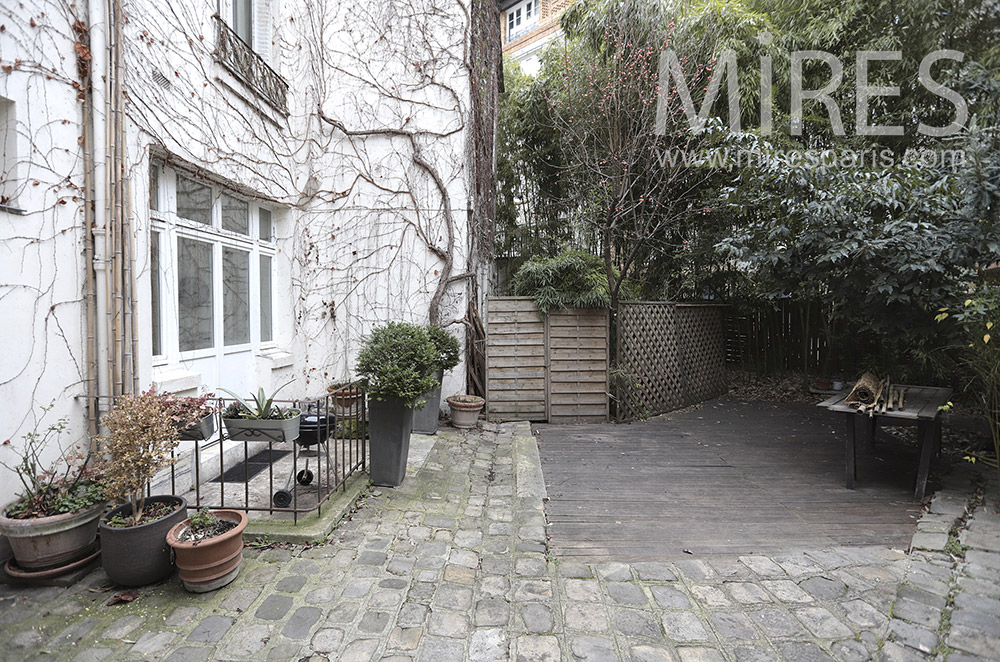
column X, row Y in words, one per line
column 453, row 566
column 948, row 607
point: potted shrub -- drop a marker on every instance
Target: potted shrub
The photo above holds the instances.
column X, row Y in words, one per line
column 139, row 440
column 194, row 417
column 465, row 410
column 448, row 351
column 53, row 522
column 259, row 417
column 395, row 366
column 209, row 548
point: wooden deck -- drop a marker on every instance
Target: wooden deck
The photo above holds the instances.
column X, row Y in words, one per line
column 729, row 477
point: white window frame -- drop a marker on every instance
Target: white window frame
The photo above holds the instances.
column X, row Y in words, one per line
column 522, row 18
column 10, row 151
column 171, row 227
column 260, row 25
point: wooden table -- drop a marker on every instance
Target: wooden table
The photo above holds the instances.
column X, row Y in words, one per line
column 921, row 404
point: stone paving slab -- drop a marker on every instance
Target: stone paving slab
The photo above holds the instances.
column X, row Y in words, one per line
column 453, row 565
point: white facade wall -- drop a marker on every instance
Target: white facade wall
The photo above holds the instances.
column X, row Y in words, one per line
column 357, row 220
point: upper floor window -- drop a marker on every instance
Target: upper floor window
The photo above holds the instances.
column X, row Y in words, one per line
column 243, row 46
column 521, row 19
column 8, row 154
column 243, row 20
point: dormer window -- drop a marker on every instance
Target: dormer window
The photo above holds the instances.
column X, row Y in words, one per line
column 521, row 19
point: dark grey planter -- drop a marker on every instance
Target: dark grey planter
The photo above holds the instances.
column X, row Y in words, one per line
column 389, row 425
column 139, row 555
column 203, row 429
column 425, row 419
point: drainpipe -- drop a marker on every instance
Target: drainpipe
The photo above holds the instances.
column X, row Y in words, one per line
column 97, row 205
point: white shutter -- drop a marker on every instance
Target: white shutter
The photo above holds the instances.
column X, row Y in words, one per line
column 262, row 29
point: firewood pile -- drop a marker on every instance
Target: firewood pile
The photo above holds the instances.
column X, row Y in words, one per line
column 876, row 396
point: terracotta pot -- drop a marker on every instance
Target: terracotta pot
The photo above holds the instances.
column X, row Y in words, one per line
column 41, row 543
column 465, row 415
column 139, row 555
column 346, row 400
column 209, row 564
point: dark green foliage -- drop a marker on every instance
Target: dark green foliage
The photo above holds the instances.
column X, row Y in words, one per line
column 882, row 246
column 572, row 279
column 397, row 362
column 447, row 347
column 529, row 196
column 978, row 319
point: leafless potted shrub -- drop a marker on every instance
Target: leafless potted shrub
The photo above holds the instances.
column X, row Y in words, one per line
column 465, row 410
column 138, row 443
column 209, row 548
column 52, row 525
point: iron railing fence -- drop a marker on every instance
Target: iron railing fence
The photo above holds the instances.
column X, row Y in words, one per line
column 332, row 445
column 243, row 62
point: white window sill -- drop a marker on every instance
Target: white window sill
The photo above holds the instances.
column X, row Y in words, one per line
column 277, row 357
column 175, row 379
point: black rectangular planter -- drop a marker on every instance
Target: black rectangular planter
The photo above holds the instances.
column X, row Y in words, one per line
column 389, row 423
column 425, row 419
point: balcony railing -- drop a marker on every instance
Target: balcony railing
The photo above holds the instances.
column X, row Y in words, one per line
column 240, row 59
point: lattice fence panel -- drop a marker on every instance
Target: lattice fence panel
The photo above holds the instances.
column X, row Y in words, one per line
column 673, row 355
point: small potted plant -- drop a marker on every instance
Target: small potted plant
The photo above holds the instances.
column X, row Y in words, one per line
column 139, row 442
column 259, row 417
column 52, row 525
column 209, row 548
column 448, row 350
column 395, row 366
column 193, row 416
column 465, row 410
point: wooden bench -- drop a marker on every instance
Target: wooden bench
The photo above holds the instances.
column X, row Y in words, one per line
column 921, row 404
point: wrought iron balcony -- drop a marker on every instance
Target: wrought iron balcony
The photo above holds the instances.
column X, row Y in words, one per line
column 240, row 59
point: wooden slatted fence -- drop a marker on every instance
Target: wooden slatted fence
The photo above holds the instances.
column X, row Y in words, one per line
column 545, row 368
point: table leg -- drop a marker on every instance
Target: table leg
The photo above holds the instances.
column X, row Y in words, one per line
column 870, row 431
column 937, row 437
column 926, row 434
column 852, row 470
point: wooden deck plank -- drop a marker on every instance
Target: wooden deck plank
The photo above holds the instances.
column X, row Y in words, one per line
column 728, row 478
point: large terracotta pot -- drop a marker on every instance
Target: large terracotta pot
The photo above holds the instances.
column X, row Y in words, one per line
column 139, row 555
column 209, row 564
column 465, row 410
column 41, row 543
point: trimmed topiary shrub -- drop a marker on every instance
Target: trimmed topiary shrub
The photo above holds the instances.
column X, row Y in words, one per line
column 397, row 362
